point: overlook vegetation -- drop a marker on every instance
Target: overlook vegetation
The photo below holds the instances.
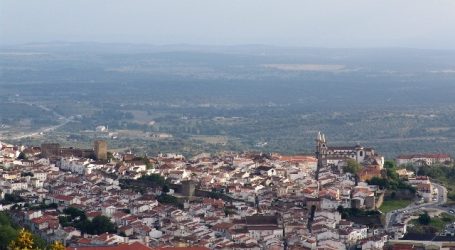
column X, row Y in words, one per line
column 392, row 181
column 13, row 237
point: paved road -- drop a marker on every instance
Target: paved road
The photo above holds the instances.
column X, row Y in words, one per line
column 62, row 122
column 43, row 130
column 399, row 214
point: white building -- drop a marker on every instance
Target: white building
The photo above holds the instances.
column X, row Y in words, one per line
column 76, row 165
column 423, row 159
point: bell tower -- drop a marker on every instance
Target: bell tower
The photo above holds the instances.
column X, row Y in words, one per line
column 321, row 145
column 321, row 151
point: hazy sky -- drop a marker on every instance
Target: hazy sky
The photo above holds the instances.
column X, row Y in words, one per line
column 320, row 23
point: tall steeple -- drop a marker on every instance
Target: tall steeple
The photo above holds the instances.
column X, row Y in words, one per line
column 320, row 144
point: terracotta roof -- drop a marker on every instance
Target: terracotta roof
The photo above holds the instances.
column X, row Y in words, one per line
column 134, row 246
column 298, row 158
column 63, row 197
column 182, row 248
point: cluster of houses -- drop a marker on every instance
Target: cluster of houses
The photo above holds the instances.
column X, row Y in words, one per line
column 248, row 201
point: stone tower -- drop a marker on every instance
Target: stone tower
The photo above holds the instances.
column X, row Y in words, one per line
column 100, row 148
column 321, row 151
column 188, row 188
column 321, row 145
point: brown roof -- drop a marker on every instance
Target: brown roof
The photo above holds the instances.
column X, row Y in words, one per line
column 182, row 248
column 134, row 246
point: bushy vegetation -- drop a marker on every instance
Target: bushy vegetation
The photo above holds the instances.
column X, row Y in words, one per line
column 425, row 224
column 424, row 219
column 78, row 219
column 145, row 160
column 347, row 213
column 392, row 181
column 167, row 199
column 352, row 167
column 11, row 198
column 154, row 180
column 10, row 232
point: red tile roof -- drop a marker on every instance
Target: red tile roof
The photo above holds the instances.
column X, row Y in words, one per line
column 182, row 248
column 134, row 246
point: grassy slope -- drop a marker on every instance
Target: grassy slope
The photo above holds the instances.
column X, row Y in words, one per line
column 390, row 205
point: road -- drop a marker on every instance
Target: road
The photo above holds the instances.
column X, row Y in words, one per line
column 399, row 215
column 43, row 130
column 62, row 122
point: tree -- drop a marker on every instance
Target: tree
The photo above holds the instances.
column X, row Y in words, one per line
column 110, row 156
column 352, row 167
column 393, row 195
column 381, row 182
column 424, row 219
column 24, row 241
column 101, row 224
column 23, row 174
column 392, row 174
column 342, row 211
column 7, row 234
column 153, row 180
column 84, row 226
column 165, row 189
column 75, row 213
column 389, row 164
column 57, row 245
column 12, row 198
column 167, row 199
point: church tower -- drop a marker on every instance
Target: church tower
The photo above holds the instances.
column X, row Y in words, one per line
column 321, row 145
column 321, row 151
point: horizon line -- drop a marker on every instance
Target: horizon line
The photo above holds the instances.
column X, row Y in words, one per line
column 56, row 42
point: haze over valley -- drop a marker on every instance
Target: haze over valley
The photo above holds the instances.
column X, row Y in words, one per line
column 194, row 99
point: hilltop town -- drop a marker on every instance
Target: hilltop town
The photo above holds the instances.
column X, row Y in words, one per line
column 87, row 198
